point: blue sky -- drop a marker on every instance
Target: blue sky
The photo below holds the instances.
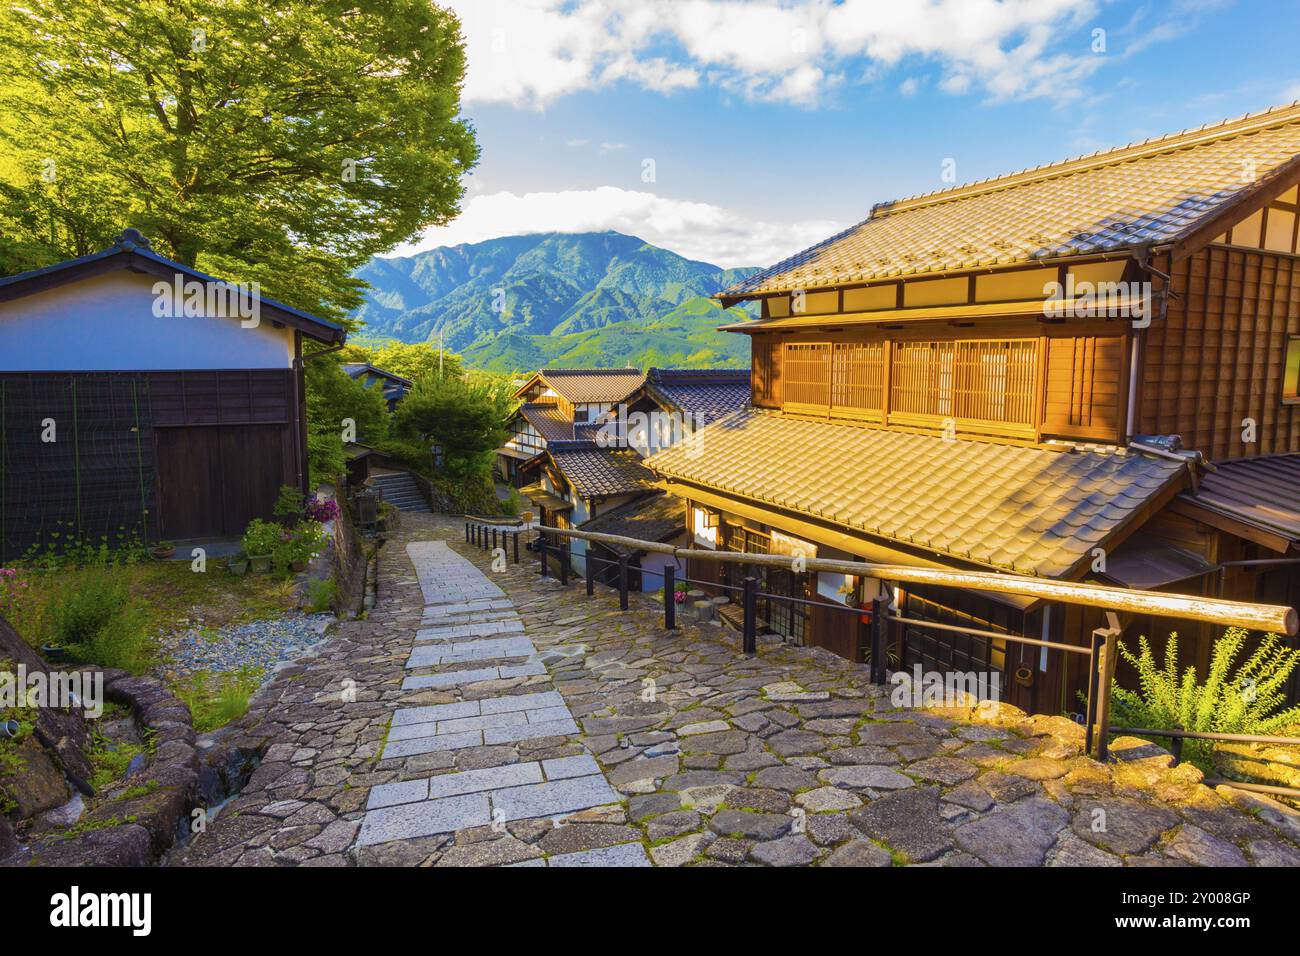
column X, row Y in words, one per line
column 770, row 124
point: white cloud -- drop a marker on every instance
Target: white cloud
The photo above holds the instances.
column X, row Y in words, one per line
column 531, row 52
column 692, row 229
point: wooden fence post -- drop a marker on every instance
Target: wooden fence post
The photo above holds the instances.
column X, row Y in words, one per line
column 670, row 597
column 622, row 582
column 749, row 640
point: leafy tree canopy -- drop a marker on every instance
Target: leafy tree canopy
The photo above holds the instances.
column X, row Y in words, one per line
column 332, row 398
column 409, row 360
column 281, row 143
column 466, row 418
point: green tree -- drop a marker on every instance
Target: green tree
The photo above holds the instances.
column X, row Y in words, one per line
column 280, row 143
column 466, row 419
column 332, row 398
column 413, row 360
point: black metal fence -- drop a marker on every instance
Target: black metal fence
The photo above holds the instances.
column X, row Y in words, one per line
column 551, row 545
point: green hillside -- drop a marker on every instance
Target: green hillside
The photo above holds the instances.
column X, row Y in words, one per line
column 582, row 300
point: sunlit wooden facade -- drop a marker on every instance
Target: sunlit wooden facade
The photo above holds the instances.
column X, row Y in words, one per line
column 1185, row 341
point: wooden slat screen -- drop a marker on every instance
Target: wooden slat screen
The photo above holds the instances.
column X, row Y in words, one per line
column 807, row 368
column 857, row 379
column 968, row 380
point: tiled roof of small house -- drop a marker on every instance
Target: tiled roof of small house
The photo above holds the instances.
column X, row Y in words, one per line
column 1017, row 508
column 547, row 419
column 594, row 471
column 1147, row 193
column 657, row 517
column 589, row 385
column 705, row 394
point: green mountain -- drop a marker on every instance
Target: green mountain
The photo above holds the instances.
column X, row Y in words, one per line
column 573, row 299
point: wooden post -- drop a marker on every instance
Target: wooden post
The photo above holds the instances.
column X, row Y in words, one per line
column 541, row 550
column 1100, row 681
column 879, row 610
column 749, row 640
column 1107, row 678
column 563, row 552
column 516, row 536
column 494, row 538
column 670, row 597
column 591, row 574
column 622, row 582
column 467, row 532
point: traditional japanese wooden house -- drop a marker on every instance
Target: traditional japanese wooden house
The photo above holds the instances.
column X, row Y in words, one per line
column 393, row 386
column 140, row 396
column 559, row 405
column 1088, row 370
column 674, row 403
column 577, row 481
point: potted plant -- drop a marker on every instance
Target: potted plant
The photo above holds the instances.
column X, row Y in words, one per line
column 296, row 547
column 163, row 550
column 259, row 542
column 237, row 565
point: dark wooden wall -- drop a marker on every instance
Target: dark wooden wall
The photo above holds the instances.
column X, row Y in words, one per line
column 1217, row 358
column 156, row 454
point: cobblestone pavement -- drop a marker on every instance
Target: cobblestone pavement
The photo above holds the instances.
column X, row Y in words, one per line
column 788, row 758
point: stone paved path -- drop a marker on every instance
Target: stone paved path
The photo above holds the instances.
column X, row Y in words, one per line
column 701, row 756
column 466, row 617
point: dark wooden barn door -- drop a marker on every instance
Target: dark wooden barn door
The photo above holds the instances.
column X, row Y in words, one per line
column 213, row 480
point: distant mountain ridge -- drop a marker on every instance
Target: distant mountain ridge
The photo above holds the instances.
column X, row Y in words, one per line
column 580, row 299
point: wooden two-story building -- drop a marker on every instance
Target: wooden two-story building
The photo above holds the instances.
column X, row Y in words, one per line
column 559, row 405
column 1084, row 371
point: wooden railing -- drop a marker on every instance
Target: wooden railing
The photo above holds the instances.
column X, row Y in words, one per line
column 1102, row 654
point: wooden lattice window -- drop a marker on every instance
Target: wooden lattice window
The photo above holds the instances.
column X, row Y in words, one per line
column 969, row 381
column 857, row 377
column 807, row 377
column 1291, row 371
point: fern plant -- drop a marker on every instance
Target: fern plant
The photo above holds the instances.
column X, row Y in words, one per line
column 1228, row 701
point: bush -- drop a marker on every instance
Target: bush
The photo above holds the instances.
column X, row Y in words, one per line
column 99, row 623
column 1229, row 702
column 300, row 543
column 466, row 419
column 321, row 594
column 289, row 504
column 261, row 538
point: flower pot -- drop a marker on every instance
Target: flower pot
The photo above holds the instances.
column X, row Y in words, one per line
column 297, row 566
column 161, row 553
column 237, row 566
column 261, row 563
column 54, row 652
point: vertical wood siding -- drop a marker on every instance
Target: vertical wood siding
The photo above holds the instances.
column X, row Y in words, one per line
column 1218, row 358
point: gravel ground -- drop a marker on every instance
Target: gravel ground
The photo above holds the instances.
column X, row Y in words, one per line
column 261, row 644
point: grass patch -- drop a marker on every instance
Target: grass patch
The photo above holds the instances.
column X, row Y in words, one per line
column 215, row 700
column 109, row 762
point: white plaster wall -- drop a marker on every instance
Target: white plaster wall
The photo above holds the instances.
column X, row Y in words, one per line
column 106, row 323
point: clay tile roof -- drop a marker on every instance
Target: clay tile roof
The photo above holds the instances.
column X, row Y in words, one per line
column 1146, row 193
column 582, row 385
column 657, row 517
column 705, row 394
column 1011, row 507
column 1263, row 491
column 594, row 471
column 548, row 421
